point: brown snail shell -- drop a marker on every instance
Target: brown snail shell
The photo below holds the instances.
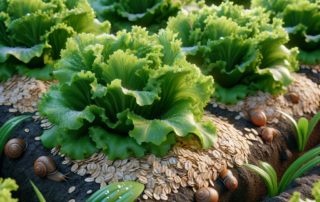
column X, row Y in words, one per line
column 45, row 166
column 15, row 148
column 293, row 97
column 268, row 134
column 231, row 183
column 228, row 179
column 225, row 173
column 257, row 116
column 207, row 194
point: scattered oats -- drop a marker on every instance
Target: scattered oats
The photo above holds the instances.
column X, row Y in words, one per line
column 22, row 92
column 145, row 196
column 13, row 110
column 89, row 191
column 308, row 91
column 237, row 117
column 247, row 129
column 71, row 189
column 89, row 179
column 37, row 138
column 26, row 130
column 254, row 131
column 72, row 200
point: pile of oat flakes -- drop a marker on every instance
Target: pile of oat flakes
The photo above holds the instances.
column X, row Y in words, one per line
column 185, row 165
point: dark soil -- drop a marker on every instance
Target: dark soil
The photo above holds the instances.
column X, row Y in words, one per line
column 22, row 169
column 251, row 186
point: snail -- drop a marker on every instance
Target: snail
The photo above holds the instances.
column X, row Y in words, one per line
column 228, row 179
column 45, row 166
column 293, row 97
column 269, row 133
column 15, row 148
column 257, row 116
column 207, row 194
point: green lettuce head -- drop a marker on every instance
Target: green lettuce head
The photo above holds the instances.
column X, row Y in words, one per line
column 127, row 95
column 6, row 186
column 239, row 48
column 302, row 22
column 32, row 33
column 123, row 14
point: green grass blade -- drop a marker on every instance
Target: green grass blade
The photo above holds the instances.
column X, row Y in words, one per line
column 273, row 175
column 264, row 176
column 6, row 126
column 7, row 129
column 295, row 166
column 313, row 123
column 40, row 197
column 305, row 168
column 295, row 127
column 303, row 125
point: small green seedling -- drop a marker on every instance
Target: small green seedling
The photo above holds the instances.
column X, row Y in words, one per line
column 118, row 192
column 40, row 197
column 315, row 193
column 303, row 129
column 7, row 129
column 300, row 166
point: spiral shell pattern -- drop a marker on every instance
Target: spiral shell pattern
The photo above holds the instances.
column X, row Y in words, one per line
column 294, row 97
column 15, row 148
column 207, row 194
column 231, row 183
column 258, row 117
column 40, row 169
column 268, row 134
column 44, row 165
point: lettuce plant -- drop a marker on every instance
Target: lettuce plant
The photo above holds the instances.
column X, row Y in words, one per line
column 244, row 3
column 295, row 170
column 315, row 193
column 32, row 33
column 303, row 129
column 6, row 186
column 302, row 22
column 123, row 14
column 126, row 94
column 241, row 50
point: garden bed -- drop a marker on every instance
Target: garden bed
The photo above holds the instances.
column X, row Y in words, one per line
column 251, row 185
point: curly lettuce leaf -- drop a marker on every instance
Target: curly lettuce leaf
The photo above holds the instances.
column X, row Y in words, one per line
column 127, row 94
column 240, row 48
column 123, row 14
column 301, row 19
column 6, row 186
column 34, row 33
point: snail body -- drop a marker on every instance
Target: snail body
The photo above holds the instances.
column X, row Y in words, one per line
column 45, row 166
column 257, row 116
column 207, row 194
column 268, row 134
column 293, row 97
column 228, row 179
column 15, row 148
